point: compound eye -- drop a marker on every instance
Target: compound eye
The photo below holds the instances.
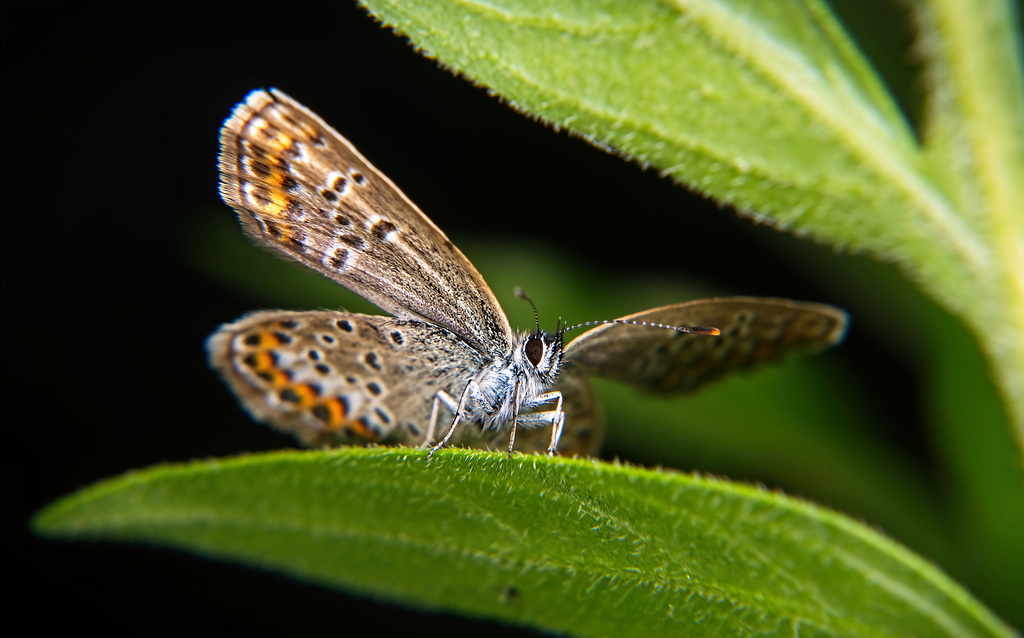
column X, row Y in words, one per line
column 534, row 350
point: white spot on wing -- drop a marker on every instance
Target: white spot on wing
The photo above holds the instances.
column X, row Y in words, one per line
column 332, row 177
column 247, row 188
column 258, row 123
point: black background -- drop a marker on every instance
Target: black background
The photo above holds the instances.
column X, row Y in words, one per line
column 110, row 119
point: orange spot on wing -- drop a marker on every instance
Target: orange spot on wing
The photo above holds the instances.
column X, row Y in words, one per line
column 360, row 427
column 281, row 141
column 307, row 395
column 276, row 378
column 278, row 204
column 265, row 365
column 336, row 413
column 267, row 341
column 264, row 361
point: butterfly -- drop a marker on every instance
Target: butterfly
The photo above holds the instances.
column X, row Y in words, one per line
column 446, row 367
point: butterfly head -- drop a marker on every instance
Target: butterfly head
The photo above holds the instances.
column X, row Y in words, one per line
column 542, row 352
column 538, row 350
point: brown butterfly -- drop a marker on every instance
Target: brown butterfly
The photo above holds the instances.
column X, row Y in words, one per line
column 448, row 355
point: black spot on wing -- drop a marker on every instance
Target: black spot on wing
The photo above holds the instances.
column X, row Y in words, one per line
column 381, row 229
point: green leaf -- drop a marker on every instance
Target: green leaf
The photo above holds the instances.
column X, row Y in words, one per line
column 770, row 107
column 567, row 545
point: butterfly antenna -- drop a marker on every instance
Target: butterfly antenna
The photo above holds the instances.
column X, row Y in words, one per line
column 694, row 330
column 522, row 295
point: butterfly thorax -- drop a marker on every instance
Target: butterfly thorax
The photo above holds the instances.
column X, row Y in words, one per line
column 511, row 384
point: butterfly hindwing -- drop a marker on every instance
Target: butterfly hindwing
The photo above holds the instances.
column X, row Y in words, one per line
column 334, row 377
column 753, row 330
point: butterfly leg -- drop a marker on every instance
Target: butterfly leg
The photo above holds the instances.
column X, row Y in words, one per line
column 512, row 440
column 449, row 402
column 471, row 386
column 555, row 418
column 556, row 433
column 515, row 420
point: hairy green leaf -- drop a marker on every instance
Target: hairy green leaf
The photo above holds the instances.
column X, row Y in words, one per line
column 567, row 545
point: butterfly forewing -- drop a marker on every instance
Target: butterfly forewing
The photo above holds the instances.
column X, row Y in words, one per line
column 753, row 330
column 300, row 187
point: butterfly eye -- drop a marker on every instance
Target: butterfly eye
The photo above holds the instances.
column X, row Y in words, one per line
column 534, row 350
